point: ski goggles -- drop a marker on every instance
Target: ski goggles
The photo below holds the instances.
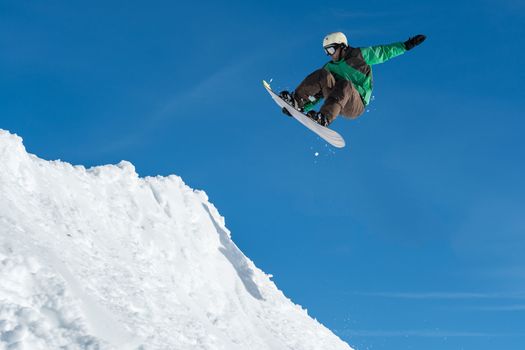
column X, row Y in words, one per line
column 330, row 49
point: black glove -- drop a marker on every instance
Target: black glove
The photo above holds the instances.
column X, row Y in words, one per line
column 415, row 41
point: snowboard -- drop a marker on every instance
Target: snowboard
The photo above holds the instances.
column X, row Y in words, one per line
column 329, row 135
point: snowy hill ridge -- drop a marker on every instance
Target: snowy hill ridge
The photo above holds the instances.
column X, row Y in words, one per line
column 100, row 258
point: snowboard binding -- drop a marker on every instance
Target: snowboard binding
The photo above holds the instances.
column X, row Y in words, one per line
column 318, row 117
column 289, row 98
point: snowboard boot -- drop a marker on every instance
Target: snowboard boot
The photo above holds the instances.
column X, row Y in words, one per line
column 319, row 118
column 289, row 98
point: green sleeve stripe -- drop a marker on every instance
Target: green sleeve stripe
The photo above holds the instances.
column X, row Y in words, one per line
column 382, row 53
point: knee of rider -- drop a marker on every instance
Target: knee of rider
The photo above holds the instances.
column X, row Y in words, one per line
column 325, row 74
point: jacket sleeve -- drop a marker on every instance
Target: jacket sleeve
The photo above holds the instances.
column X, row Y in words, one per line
column 382, row 53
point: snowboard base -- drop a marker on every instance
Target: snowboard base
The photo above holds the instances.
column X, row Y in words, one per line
column 327, row 134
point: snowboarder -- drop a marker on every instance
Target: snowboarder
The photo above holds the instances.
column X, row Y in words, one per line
column 345, row 82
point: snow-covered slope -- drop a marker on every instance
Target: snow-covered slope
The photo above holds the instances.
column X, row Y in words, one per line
column 102, row 259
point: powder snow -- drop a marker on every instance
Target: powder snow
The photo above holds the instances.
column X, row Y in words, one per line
column 100, row 258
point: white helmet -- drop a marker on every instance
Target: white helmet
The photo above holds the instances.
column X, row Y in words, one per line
column 335, row 38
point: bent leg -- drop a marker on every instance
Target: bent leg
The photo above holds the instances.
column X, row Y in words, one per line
column 343, row 99
column 318, row 84
column 354, row 107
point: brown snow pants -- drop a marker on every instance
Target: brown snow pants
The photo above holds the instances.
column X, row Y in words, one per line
column 340, row 95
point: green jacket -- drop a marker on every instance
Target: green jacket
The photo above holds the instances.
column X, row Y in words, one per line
column 356, row 65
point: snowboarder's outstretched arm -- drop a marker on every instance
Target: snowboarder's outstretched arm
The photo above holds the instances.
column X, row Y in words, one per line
column 382, row 53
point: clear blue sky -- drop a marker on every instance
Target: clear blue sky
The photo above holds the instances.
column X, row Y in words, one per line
column 413, row 237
